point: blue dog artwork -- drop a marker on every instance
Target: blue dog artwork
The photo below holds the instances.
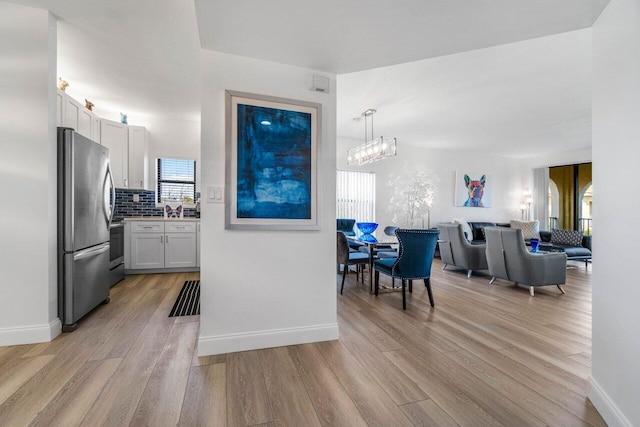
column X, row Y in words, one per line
column 475, row 190
column 274, row 163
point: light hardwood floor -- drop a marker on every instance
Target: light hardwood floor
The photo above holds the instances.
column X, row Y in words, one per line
column 485, row 355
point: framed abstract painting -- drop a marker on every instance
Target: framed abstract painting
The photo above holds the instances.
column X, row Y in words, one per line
column 473, row 189
column 271, row 163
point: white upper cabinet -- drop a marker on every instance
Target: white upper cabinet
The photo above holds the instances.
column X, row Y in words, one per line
column 138, row 158
column 78, row 117
column 128, row 145
column 74, row 115
column 115, row 137
column 95, row 129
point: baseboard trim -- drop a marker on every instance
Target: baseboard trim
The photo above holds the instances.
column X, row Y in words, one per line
column 162, row 270
column 231, row 343
column 30, row 334
column 606, row 406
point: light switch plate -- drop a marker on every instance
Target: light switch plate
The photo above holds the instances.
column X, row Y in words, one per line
column 215, row 194
column 136, row 198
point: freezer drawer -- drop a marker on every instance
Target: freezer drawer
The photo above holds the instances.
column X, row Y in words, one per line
column 84, row 285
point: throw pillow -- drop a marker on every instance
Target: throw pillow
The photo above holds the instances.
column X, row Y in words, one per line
column 530, row 229
column 566, row 237
column 466, row 228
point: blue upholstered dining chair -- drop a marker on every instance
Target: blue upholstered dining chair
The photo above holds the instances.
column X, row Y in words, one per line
column 414, row 261
column 389, row 251
column 346, row 225
column 347, row 258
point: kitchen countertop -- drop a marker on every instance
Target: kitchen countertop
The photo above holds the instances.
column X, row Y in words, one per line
column 159, row 218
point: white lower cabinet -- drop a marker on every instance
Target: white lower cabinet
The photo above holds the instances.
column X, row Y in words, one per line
column 147, row 251
column 179, row 250
column 162, row 244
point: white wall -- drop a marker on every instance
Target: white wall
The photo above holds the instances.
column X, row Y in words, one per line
column 28, row 299
column 616, row 150
column 504, row 173
column 268, row 288
column 177, row 139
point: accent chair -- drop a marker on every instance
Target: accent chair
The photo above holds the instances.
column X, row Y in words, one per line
column 456, row 250
column 509, row 259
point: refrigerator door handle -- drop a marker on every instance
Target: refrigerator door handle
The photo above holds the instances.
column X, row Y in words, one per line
column 86, row 253
column 110, row 209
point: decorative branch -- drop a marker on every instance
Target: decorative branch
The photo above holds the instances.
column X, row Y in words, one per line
column 414, row 195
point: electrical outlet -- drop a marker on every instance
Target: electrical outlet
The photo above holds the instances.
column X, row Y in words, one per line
column 136, row 198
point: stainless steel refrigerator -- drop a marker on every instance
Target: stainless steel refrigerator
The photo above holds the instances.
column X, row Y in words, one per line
column 86, row 197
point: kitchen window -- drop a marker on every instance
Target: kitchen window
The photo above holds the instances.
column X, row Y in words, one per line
column 176, row 181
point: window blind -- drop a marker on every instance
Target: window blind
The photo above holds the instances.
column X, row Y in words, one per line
column 176, row 180
column 356, row 195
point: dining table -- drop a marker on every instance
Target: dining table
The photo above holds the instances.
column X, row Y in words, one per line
column 372, row 242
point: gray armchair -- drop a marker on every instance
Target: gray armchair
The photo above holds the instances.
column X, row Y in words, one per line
column 509, row 259
column 456, row 250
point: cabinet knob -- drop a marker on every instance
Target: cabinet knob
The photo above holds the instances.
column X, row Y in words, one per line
column 161, row 239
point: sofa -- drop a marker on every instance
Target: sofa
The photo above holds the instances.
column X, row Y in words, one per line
column 574, row 252
column 477, row 230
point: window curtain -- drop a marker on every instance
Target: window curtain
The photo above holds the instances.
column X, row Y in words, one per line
column 541, row 197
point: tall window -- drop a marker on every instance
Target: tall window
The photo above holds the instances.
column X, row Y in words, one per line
column 176, row 180
column 356, row 195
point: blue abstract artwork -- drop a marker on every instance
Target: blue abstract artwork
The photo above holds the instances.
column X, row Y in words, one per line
column 274, row 163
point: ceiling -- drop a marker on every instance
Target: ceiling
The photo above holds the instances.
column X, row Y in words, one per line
column 473, row 83
column 508, row 76
column 343, row 36
column 140, row 57
column 520, row 99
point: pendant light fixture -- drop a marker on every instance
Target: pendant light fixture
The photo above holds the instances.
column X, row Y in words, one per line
column 372, row 150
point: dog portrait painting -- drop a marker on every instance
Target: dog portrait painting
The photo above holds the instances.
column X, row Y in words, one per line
column 473, row 190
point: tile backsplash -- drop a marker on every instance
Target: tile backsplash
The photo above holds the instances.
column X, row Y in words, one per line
column 126, row 207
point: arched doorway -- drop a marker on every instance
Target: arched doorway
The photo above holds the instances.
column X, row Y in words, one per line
column 585, row 208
